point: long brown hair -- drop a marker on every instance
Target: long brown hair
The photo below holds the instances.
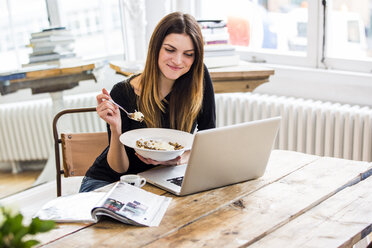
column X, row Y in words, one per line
column 187, row 92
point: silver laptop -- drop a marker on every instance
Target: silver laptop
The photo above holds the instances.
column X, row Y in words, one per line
column 220, row 157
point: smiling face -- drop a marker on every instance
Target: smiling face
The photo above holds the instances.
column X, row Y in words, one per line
column 176, row 56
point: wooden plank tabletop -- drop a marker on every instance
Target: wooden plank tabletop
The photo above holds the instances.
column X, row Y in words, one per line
column 241, row 78
column 47, row 72
column 296, row 190
column 240, row 72
column 256, row 215
column 54, row 72
column 50, row 79
column 197, row 220
column 185, row 210
column 340, row 221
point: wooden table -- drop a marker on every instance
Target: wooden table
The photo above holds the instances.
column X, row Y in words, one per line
column 46, row 80
column 301, row 201
column 244, row 77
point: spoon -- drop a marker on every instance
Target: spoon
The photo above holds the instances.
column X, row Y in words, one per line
column 137, row 116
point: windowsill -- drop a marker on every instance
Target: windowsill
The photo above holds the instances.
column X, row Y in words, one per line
column 320, row 71
column 336, row 86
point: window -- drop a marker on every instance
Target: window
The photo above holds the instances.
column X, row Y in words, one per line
column 18, row 19
column 277, row 31
column 298, row 32
column 349, row 35
column 95, row 24
column 290, row 32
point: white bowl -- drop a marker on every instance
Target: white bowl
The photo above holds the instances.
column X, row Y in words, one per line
column 164, row 134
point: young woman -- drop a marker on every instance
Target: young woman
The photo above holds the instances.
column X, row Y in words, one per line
column 173, row 91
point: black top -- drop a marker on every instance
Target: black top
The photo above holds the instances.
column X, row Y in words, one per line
column 123, row 94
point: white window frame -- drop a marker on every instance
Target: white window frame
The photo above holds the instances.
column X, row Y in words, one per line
column 312, row 59
column 346, row 64
column 53, row 11
column 57, row 19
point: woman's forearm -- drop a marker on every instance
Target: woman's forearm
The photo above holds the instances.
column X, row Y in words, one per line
column 117, row 157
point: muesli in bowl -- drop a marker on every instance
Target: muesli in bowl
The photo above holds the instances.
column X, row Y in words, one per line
column 160, row 144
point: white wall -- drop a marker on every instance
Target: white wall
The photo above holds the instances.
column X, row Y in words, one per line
column 335, row 86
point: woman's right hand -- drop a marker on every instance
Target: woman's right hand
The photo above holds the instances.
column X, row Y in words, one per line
column 108, row 111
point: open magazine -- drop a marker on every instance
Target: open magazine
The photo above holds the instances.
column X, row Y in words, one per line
column 124, row 202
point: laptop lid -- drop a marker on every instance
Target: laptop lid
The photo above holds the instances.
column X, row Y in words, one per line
column 221, row 156
column 229, row 155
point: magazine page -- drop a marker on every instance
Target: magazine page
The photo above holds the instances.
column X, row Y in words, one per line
column 71, row 208
column 133, row 205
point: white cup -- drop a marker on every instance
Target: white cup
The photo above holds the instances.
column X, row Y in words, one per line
column 134, row 180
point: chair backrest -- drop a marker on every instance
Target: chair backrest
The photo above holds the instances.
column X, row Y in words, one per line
column 79, row 150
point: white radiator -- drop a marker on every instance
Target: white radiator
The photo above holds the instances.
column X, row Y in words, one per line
column 307, row 126
column 26, row 127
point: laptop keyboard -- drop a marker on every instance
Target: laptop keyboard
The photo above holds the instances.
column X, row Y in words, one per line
column 176, row 180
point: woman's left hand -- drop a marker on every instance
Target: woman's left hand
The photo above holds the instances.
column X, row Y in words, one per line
column 183, row 159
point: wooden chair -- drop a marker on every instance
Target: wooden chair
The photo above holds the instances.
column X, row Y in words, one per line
column 79, row 150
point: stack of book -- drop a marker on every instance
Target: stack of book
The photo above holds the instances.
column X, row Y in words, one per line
column 51, row 46
column 218, row 52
